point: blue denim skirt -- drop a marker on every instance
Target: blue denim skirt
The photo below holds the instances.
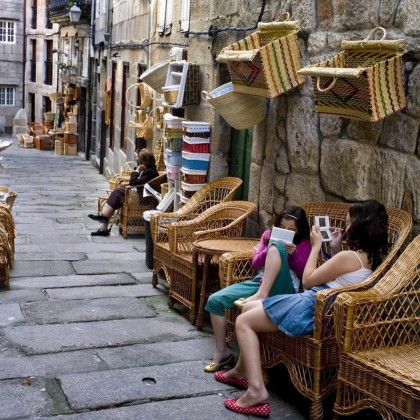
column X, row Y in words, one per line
column 293, row 314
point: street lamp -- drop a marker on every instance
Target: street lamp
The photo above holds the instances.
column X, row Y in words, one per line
column 75, row 13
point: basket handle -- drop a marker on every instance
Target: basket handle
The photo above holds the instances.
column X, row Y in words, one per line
column 126, row 95
column 283, row 20
column 373, row 31
column 206, row 95
column 330, row 86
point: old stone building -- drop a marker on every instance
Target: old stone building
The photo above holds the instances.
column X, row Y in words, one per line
column 41, row 71
column 295, row 154
column 11, row 62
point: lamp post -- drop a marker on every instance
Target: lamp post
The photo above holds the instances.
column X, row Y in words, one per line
column 75, row 13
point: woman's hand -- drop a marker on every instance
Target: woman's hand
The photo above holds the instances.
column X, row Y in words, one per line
column 316, row 237
column 290, row 248
column 337, row 238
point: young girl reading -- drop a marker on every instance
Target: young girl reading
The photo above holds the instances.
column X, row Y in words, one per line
column 278, row 277
column 367, row 240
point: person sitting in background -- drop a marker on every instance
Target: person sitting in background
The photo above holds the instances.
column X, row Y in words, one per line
column 145, row 172
column 281, row 276
column 366, row 237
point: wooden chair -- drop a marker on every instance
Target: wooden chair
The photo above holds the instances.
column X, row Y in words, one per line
column 214, row 192
column 379, row 332
column 131, row 214
column 312, row 360
column 224, row 220
column 25, row 140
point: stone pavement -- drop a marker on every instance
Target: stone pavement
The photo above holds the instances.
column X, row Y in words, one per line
column 83, row 334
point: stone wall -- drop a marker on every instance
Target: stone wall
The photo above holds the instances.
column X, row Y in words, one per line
column 313, row 156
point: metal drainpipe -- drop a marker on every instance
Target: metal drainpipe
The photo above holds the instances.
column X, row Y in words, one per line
column 103, row 125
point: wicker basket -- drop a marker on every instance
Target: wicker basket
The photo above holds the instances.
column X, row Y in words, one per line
column 266, row 62
column 155, row 76
column 146, row 95
column 170, row 94
column 239, row 110
column 365, row 81
column 54, row 96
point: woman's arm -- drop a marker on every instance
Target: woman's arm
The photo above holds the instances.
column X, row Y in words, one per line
column 297, row 261
column 141, row 178
column 341, row 263
column 258, row 260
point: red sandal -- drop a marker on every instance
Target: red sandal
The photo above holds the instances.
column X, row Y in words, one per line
column 241, row 383
column 259, row 410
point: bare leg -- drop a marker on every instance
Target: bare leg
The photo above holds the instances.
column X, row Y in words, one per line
column 107, row 211
column 222, row 351
column 272, row 269
column 248, row 324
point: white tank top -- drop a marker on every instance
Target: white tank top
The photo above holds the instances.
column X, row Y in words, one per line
column 352, row 278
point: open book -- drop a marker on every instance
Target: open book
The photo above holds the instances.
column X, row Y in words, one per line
column 281, row 235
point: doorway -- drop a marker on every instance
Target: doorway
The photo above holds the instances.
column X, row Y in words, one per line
column 240, row 159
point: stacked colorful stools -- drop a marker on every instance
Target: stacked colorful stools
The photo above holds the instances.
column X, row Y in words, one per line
column 195, row 157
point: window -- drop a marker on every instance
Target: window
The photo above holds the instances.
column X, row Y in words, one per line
column 125, row 75
column 48, row 67
column 7, row 96
column 34, row 9
column 165, row 17
column 32, row 70
column 7, row 32
column 185, row 16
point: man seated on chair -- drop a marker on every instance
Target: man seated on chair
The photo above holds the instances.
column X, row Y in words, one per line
column 145, row 172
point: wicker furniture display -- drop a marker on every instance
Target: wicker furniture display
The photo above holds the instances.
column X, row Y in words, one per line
column 4, row 257
column 184, row 273
column 214, row 192
column 8, row 224
column 208, row 252
column 379, row 331
column 312, row 359
column 131, row 213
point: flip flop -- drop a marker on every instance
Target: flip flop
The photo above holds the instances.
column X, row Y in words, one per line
column 259, row 410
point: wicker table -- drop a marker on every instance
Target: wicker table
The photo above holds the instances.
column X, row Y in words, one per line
column 211, row 249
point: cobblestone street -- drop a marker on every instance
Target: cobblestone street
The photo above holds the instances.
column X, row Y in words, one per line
column 83, row 334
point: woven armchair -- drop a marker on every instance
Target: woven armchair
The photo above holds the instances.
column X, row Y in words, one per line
column 214, row 192
column 131, row 213
column 8, row 224
column 379, row 332
column 4, row 257
column 224, row 220
column 312, row 360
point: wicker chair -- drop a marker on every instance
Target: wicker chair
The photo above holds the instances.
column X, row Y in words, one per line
column 312, row 360
column 379, row 331
column 131, row 213
column 214, row 192
column 4, row 257
column 8, row 224
column 224, row 220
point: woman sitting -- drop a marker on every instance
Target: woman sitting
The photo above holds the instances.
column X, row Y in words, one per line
column 367, row 241
column 145, row 172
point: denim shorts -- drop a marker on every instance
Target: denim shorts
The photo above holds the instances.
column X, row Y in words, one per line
column 293, row 314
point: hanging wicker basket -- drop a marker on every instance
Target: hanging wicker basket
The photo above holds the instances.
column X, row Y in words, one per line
column 365, row 81
column 155, row 76
column 266, row 62
column 239, row 110
column 146, row 95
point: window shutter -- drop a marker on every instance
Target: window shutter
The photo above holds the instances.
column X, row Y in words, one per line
column 185, row 16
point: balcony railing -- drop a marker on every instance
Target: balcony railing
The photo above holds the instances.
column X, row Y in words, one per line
column 59, row 11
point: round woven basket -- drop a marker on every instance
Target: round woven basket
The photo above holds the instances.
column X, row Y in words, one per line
column 155, row 76
column 239, row 110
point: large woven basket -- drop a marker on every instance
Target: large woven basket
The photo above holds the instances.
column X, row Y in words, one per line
column 365, row 81
column 266, row 62
column 239, row 110
column 155, row 76
column 146, row 95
